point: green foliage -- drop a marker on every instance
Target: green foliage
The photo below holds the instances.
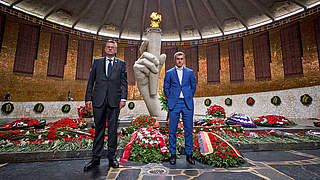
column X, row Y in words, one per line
column 147, row 155
column 164, row 102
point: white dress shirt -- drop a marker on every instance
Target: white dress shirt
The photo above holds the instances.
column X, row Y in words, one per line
column 180, row 74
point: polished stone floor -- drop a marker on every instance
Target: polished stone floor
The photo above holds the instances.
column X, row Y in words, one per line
column 301, row 164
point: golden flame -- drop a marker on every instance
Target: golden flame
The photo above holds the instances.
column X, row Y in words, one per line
column 155, row 19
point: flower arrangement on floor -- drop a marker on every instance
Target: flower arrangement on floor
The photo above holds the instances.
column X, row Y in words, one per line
column 273, row 121
column 216, row 111
column 146, row 145
column 64, row 134
column 24, row 123
column 208, row 122
column 316, row 124
column 240, row 119
column 85, row 112
column 229, row 129
column 65, row 123
column 144, row 121
column 211, row 149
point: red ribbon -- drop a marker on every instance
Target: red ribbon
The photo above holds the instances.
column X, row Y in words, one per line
column 128, row 147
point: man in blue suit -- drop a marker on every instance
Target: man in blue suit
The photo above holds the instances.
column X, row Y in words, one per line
column 179, row 87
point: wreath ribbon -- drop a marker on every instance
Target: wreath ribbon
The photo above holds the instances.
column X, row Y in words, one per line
column 230, row 145
column 128, row 147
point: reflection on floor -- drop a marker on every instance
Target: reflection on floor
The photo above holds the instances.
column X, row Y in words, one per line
column 302, row 164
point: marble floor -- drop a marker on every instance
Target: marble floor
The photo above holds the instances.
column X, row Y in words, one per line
column 300, row 164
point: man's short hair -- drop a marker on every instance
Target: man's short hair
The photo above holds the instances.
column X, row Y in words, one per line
column 113, row 42
column 179, row 54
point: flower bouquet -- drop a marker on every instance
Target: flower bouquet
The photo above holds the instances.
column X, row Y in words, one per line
column 240, row 119
column 273, row 121
column 85, row 112
column 216, row 111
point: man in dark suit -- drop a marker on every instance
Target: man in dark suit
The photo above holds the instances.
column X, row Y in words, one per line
column 107, row 91
column 179, row 87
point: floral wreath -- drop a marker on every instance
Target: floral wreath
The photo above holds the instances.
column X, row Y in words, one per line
column 306, row 99
column 7, row 108
column 66, row 108
column 207, row 102
column 38, row 108
column 250, row 101
column 275, row 100
column 131, row 105
column 228, row 101
column 144, row 121
column 216, row 111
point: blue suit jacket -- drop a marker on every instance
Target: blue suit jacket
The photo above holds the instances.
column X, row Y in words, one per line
column 172, row 87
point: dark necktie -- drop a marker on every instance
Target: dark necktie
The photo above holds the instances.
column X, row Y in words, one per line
column 109, row 67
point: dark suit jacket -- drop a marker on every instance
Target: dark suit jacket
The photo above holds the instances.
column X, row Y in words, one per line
column 172, row 87
column 100, row 87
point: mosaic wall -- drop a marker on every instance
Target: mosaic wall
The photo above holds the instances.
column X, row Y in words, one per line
column 39, row 87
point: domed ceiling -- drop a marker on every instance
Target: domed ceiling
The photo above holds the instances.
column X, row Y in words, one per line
column 181, row 19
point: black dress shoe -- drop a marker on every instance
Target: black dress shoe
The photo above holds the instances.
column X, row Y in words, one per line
column 190, row 160
column 113, row 163
column 172, row 159
column 93, row 163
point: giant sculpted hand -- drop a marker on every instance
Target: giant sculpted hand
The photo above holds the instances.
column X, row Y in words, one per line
column 147, row 69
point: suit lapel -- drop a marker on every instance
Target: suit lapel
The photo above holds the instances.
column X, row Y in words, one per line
column 115, row 65
column 104, row 66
